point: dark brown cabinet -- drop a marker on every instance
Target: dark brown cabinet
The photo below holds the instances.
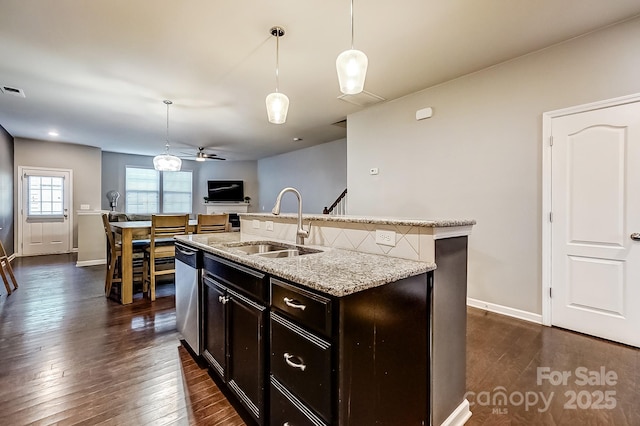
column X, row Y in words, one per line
column 234, row 318
column 292, row 355
column 215, row 326
column 354, row 360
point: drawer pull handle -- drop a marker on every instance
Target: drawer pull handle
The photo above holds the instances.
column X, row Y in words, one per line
column 292, row 303
column 223, row 299
column 287, row 359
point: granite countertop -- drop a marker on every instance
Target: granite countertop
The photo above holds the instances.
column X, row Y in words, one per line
column 366, row 219
column 333, row 271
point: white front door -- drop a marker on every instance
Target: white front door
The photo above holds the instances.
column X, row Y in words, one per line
column 595, row 199
column 45, row 223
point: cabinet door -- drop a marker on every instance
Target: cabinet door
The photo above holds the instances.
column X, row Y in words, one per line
column 214, row 324
column 246, row 345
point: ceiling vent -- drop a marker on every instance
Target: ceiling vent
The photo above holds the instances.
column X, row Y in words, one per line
column 363, row 99
column 7, row 90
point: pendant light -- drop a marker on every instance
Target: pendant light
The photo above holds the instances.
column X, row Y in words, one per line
column 277, row 103
column 352, row 67
column 167, row 162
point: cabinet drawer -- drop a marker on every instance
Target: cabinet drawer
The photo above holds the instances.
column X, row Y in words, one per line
column 309, row 309
column 302, row 363
column 286, row 409
column 238, row 277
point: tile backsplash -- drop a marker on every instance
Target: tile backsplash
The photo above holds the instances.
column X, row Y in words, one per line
column 411, row 242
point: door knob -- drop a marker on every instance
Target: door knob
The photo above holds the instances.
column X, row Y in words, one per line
column 635, row 236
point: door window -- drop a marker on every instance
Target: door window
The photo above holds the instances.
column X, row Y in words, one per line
column 45, row 196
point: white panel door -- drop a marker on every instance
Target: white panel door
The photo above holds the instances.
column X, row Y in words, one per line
column 44, row 220
column 595, row 268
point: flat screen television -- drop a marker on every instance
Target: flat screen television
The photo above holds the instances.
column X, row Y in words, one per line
column 225, row 190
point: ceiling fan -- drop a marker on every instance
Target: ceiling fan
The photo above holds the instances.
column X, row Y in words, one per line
column 202, row 156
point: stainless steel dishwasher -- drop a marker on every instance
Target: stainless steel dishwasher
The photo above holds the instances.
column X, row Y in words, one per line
column 188, row 266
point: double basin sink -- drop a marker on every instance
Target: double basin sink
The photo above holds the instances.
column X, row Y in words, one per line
column 271, row 249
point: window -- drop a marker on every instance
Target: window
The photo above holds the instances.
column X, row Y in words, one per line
column 176, row 192
column 142, row 190
column 45, row 195
column 149, row 191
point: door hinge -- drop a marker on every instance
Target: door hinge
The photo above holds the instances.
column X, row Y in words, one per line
column 550, row 216
column 550, row 140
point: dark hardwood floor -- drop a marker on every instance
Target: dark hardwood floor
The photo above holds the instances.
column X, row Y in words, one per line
column 506, row 356
column 70, row 356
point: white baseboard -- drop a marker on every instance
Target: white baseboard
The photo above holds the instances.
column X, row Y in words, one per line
column 81, row 263
column 74, row 250
column 505, row 310
column 459, row 416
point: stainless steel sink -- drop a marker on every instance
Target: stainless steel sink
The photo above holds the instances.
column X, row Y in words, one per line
column 260, row 248
column 271, row 249
column 281, row 253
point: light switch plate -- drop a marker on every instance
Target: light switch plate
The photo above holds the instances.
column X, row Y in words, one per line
column 386, row 238
column 269, row 225
column 85, row 206
column 256, row 224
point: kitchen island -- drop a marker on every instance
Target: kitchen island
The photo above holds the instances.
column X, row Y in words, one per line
column 344, row 336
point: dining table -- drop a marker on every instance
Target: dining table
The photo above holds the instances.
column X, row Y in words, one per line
column 130, row 231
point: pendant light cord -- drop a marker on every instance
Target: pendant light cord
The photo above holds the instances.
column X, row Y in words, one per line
column 277, row 59
column 351, row 24
column 167, row 141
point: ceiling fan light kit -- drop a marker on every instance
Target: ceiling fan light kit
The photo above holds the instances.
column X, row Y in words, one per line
column 277, row 103
column 201, row 156
column 166, row 162
column 352, row 67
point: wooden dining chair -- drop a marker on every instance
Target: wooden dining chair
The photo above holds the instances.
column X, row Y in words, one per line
column 5, row 269
column 209, row 223
column 162, row 227
column 114, row 258
column 114, row 261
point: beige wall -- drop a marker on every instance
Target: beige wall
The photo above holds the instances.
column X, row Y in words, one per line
column 85, row 161
column 479, row 156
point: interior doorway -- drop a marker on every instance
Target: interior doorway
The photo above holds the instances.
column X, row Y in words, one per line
column 591, row 247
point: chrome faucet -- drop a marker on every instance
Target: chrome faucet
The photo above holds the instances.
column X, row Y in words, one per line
column 301, row 233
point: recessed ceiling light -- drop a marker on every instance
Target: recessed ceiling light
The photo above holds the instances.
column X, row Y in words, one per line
column 54, row 133
column 297, row 139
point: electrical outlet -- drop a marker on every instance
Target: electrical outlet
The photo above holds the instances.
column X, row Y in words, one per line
column 85, row 206
column 256, row 224
column 386, row 238
column 269, row 225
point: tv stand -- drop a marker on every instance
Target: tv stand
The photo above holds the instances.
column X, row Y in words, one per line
column 222, row 207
